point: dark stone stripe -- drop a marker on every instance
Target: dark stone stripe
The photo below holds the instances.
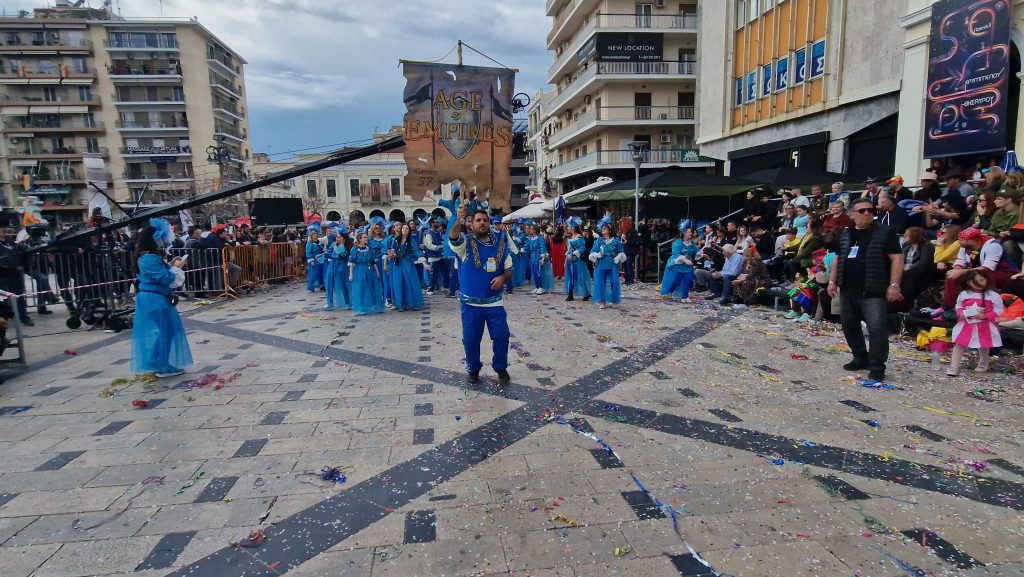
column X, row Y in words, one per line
column 689, row 393
column 660, row 376
column 1007, row 466
column 49, row 391
column 59, row 461
column 420, row 527
column 689, row 566
column 307, row 378
column 926, row 477
column 274, row 418
column 154, row 403
column 582, row 425
column 642, row 504
column 860, row 407
column 6, row 498
column 112, row 428
column 89, row 375
column 424, row 389
column 725, row 415
column 250, row 448
column 423, row 437
column 166, row 551
column 922, row 432
column 293, row 396
column 442, row 498
column 943, row 549
column 605, row 459
column 846, row 490
column 423, row 410
column 216, row 490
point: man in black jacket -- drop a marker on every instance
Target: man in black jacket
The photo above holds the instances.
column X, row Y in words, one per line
column 867, row 273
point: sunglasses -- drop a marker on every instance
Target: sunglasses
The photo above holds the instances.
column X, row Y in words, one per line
column 865, row 211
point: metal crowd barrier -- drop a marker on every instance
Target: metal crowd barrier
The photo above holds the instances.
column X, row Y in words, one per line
column 204, row 271
column 257, row 266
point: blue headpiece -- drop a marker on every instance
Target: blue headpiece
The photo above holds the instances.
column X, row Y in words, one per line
column 574, row 222
column 361, row 230
column 162, row 233
column 315, row 225
column 495, row 220
column 342, row 228
column 606, row 220
column 424, row 223
column 375, row 220
column 684, row 224
column 529, row 222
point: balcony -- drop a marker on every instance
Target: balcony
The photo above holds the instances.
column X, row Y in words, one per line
column 170, row 124
column 144, row 74
column 596, row 75
column 233, row 91
column 596, row 118
column 62, row 153
column 230, row 133
column 52, row 126
column 166, row 100
column 234, row 112
column 48, row 46
column 159, row 43
column 572, row 16
column 225, row 64
column 370, row 194
column 552, row 6
column 156, row 176
column 664, row 23
column 23, row 75
column 156, row 150
column 616, row 159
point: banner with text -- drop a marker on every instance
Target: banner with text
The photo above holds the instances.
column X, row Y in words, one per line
column 458, row 126
column 968, row 72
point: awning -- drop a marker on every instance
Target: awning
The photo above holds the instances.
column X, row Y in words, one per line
column 24, row 162
column 14, row 110
column 675, row 182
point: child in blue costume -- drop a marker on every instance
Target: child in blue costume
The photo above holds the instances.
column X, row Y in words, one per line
column 440, row 263
column 679, row 273
column 540, row 262
column 339, row 291
column 364, row 278
column 158, row 337
column 577, row 277
column 375, row 241
column 522, row 258
column 607, row 255
column 400, row 269
column 314, row 262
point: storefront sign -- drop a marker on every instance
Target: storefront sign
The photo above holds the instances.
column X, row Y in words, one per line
column 629, row 47
column 968, row 73
column 782, row 74
column 156, row 149
column 458, row 126
column 817, row 59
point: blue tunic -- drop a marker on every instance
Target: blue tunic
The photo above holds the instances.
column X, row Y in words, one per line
column 314, row 266
column 406, row 292
column 158, row 337
column 367, row 297
column 540, row 268
column 577, row 276
column 339, row 291
column 606, row 271
column 678, row 277
column 521, row 260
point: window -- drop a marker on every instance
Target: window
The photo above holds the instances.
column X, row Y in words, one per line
column 751, row 94
column 92, row 145
column 767, row 5
column 396, row 187
column 178, row 94
column 782, row 74
column 738, row 96
column 353, row 187
column 85, row 93
column 311, row 188
column 817, row 63
column 741, row 13
column 78, row 65
column 50, row 93
column 799, row 66
column 766, row 80
column 332, row 188
column 752, row 11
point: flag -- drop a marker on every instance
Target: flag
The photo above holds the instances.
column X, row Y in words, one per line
column 422, row 95
column 499, row 110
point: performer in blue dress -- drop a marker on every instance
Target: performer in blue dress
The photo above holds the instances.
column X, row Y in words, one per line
column 158, row 337
column 522, row 257
column 400, row 262
column 485, row 265
column 391, row 229
column 377, row 236
column 364, row 277
column 314, row 262
column 339, row 291
column 577, row 277
column 679, row 273
column 540, row 260
column 607, row 254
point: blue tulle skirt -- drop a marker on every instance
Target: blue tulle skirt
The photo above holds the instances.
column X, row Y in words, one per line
column 339, row 291
column 606, row 285
column 677, row 282
column 406, row 292
column 158, row 338
column 543, row 276
column 522, row 265
column 314, row 276
column 367, row 296
column 578, row 278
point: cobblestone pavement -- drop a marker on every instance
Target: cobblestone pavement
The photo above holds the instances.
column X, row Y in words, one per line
column 764, row 464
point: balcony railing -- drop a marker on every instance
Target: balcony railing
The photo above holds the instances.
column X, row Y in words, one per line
column 233, row 89
column 38, row 150
column 375, row 193
column 664, row 68
column 167, row 99
column 625, row 157
column 54, row 43
column 52, row 124
column 144, row 70
column 671, row 21
column 240, row 135
column 142, row 43
column 226, row 63
column 17, row 100
column 561, row 18
column 645, row 113
column 172, row 123
column 155, row 175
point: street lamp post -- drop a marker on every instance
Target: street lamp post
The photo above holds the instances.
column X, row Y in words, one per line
column 637, row 149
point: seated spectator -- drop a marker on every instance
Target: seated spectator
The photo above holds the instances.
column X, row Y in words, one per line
column 871, row 192
column 721, row 285
column 743, row 239
column 763, row 242
column 836, row 218
column 819, row 202
column 947, row 248
column 785, row 247
column 897, row 190
column 919, row 264
column 755, row 276
column 801, row 220
column 730, row 234
column 890, row 214
column 710, row 261
column 803, row 260
column 984, row 208
column 781, row 213
column 1006, row 215
column 753, row 209
column 800, row 200
column 929, row 191
column 982, row 253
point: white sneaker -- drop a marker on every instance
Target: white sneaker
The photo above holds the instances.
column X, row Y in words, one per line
column 430, row 292
column 170, row 374
column 540, row 291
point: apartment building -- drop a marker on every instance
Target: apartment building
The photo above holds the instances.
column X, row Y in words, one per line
column 146, row 96
column 806, row 83
column 624, row 71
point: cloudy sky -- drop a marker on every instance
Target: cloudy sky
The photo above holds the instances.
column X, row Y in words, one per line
column 326, row 71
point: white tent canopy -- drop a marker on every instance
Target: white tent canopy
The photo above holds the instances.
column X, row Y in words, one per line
column 540, row 208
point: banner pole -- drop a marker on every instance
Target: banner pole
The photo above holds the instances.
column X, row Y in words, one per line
column 460, row 52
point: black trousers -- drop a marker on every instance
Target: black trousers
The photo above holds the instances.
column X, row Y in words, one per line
column 872, row 311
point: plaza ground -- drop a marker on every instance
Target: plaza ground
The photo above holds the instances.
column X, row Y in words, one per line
column 766, row 464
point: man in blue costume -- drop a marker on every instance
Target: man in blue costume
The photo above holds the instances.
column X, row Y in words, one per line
column 485, row 265
column 433, row 241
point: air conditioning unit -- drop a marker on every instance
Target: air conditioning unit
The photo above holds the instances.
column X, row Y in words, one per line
column 586, row 99
column 659, row 3
column 666, row 139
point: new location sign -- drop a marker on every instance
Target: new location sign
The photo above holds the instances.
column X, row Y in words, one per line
column 968, row 72
column 458, row 126
column 629, row 47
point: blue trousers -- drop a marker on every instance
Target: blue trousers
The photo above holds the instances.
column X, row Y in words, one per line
column 453, row 281
column 440, row 272
column 473, row 321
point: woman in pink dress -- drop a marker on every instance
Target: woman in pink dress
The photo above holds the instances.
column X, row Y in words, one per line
column 977, row 309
